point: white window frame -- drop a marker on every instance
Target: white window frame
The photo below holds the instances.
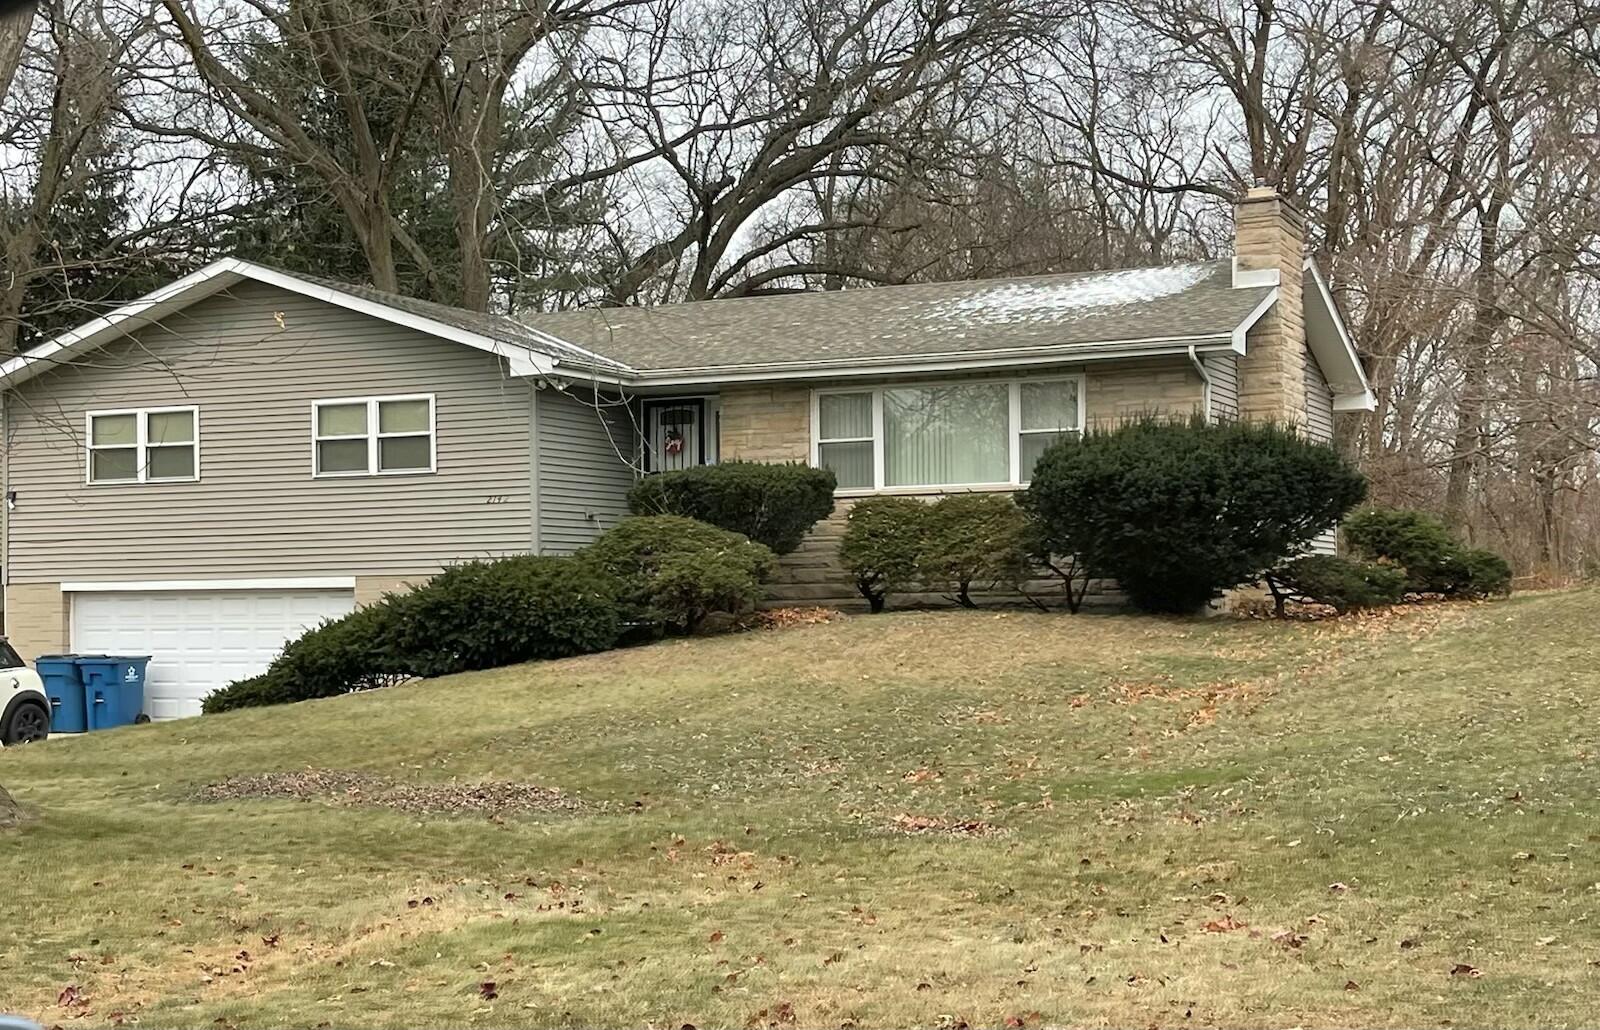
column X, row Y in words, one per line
column 141, row 445
column 373, row 435
column 1014, row 428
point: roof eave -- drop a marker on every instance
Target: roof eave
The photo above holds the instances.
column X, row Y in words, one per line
column 1330, row 343
column 908, row 363
column 138, row 314
column 147, row 311
column 1363, row 401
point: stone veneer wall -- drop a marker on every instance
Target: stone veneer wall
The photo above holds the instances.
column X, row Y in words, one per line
column 773, row 423
column 812, row 575
column 1270, row 234
column 766, row 423
column 37, row 619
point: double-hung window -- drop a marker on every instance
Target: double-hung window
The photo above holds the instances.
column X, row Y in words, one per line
column 365, row 436
column 986, row 432
column 144, row 445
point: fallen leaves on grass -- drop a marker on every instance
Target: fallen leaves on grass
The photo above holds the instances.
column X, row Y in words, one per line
column 1224, row 925
column 1211, row 696
column 780, row 1014
column 786, row 618
column 342, row 787
column 905, row 822
column 1289, row 939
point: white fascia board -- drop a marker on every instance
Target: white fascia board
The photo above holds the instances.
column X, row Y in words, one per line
column 949, row 362
column 103, row 586
column 1242, row 330
column 530, row 361
column 1335, row 351
column 1363, row 401
column 219, row 275
column 130, row 317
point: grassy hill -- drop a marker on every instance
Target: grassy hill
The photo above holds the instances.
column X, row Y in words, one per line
column 919, row 819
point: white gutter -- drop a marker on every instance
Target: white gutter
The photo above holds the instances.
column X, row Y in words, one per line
column 902, row 364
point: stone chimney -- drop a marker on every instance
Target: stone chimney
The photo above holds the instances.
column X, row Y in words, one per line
column 1269, row 244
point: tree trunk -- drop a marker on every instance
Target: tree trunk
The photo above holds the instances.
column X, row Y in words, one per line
column 376, row 233
column 1467, row 452
column 14, row 26
column 472, row 201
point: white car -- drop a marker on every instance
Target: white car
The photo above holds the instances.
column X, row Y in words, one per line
column 24, row 708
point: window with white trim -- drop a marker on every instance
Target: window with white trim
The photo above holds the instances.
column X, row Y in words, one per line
column 144, row 445
column 365, row 436
column 986, row 432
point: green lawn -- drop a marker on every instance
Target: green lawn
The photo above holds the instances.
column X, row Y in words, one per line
column 1390, row 821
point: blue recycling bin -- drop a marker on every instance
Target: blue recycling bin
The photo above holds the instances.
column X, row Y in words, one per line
column 64, row 687
column 113, row 688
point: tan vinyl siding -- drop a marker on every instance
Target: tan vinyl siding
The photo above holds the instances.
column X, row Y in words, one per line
column 583, row 480
column 256, row 510
column 1319, row 402
column 1223, row 368
column 1319, row 426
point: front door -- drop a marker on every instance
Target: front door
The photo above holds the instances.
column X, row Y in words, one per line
column 676, row 437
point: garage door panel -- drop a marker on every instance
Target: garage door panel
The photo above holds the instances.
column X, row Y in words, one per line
column 198, row 640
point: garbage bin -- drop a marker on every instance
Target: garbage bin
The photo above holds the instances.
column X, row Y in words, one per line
column 113, row 688
column 64, row 687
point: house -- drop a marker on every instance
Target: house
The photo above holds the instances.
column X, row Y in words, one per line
column 201, row 473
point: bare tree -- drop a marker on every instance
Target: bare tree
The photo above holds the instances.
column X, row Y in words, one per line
column 795, row 105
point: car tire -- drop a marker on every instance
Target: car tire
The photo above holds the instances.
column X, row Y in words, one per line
column 25, row 723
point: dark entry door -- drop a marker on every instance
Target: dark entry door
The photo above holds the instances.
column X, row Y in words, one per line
column 676, row 434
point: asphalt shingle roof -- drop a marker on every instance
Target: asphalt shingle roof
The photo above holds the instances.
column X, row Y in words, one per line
column 1175, row 301
column 496, row 327
column 1128, row 305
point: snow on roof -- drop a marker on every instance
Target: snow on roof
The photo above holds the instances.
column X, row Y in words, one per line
column 1018, row 301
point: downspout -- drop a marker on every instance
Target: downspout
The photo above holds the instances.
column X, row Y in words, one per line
column 1205, row 379
column 535, row 466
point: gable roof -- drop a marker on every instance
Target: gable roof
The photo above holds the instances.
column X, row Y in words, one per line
column 972, row 324
column 1171, row 304
column 526, row 350
column 1331, row 345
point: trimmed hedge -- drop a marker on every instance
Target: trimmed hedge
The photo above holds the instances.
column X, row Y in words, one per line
column 1433, row 560
column 883, row 540
column 673, row 571
column 1177, row 512
column 1414, row 541
column 1488, row 574
column 485, row 614
column 478, row 615
column 1340, row 583
column 771, row 504
column 340, row 656
column 973, row 540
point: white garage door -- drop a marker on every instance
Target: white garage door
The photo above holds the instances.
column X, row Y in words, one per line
column 198, row 640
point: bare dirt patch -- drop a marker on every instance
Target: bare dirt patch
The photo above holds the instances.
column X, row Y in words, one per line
column 343, row 787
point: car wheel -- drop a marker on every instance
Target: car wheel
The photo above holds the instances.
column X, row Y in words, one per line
column 28, row 722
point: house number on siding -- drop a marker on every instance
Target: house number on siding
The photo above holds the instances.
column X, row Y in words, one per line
column 497, row 499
